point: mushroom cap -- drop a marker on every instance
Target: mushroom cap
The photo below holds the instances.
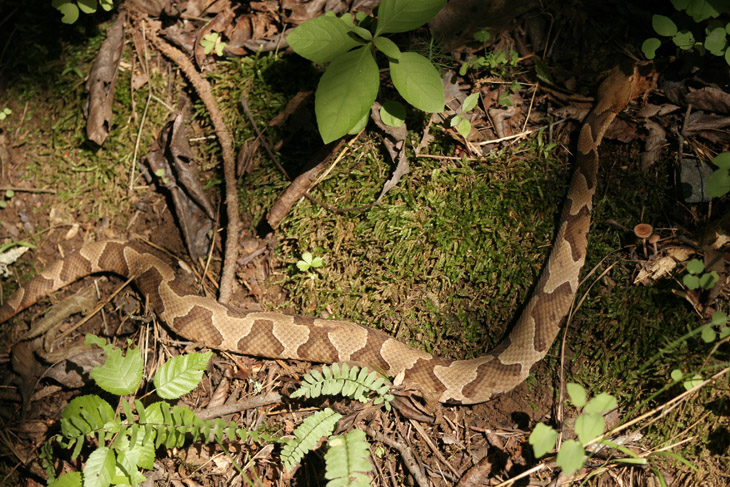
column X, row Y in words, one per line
column 654, row 238
column 643, row 230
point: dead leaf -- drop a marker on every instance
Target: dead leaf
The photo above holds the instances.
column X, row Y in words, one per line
column 662, row 264
column 172, row 162
column 100, row 85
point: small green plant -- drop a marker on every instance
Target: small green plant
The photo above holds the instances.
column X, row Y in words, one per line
column 696, row 278
column 4, row 113
column 350, row 83
column 463, row 126
column 588, row 426
column 9, row 193
column 124, row 439
column 307, row 262
column 492, row 61
column 347, row 456
column 213, row 42
column 718, row 184
column 710, row 37
column 71, row 8
column 160, row 173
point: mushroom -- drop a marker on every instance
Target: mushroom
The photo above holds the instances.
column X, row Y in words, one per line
column 653, row 241
column 643, row 231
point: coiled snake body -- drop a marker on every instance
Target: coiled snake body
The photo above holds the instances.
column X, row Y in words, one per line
column 276, row 335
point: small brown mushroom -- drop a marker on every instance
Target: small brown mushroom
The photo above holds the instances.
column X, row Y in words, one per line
column 643, row 230
column 653, row 241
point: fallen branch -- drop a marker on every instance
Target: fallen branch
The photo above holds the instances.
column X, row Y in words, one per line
column 233, row 229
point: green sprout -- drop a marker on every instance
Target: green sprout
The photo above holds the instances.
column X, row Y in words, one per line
column 213, row 41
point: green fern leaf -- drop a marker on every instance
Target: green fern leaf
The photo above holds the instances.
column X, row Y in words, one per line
column 308, row 434
column 348, row 460
column 84, row 415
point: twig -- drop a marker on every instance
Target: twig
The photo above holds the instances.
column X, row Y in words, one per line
column 405, row 452
column 144, row 116
column 248, row 403
column 27, row 190
column 521, row 134
column 202, row 88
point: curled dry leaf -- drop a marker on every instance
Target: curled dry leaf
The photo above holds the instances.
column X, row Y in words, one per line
column 100, row 85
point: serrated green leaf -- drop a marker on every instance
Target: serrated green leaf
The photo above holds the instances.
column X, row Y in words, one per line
column 120, row 374
column 100, row 468
column 589, row 426
column 542, row 439
column 418, row 82
column 180, row 374
column 664, row 26
column 403, row 15
column 570, row 457
column 345, row 93
column 321, row 39
column 577, row 394
column 70, row 479
column 649, row 47
column 602, row 403
column 387, row 47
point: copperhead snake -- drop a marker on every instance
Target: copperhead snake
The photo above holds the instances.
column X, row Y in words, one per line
column 276, row 335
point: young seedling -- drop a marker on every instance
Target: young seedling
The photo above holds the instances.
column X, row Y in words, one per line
column 350, row 83
column 463, row 126
column 4, row 113
column 211, row 42
column 308, row 262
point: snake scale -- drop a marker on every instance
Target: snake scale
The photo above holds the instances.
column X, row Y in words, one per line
column 276, row 335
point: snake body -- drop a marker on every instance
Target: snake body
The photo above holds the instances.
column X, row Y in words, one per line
column 277, row 335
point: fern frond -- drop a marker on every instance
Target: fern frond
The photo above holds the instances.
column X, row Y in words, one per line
column 353, row 382
column 348, row 460
column 322, row 423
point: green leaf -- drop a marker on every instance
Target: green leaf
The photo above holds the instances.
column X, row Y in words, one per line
column 684, row 40
column 418, row 82
column 345, row 93
column 120, row 374
column 708, row 334
column 570, row 457
column 100, row 467
column 693, row 382
column 701, row 10
column 676, row 375
column 470, row 102
column 602, row 403
column 695, row 266
column 589, row 426
column 482, row 35
column 69, row 10
column 709, row 279
column 87, row 6
column 84, row 415
column 321, row 39
column 718, row 183
column 387, row 47
column 577, row 394
column 70, row 479
column 719, row 318
column 722, row 160
column 650, row 46
column 393, row 113
column 463, row 127
column 107, row 5
column 691, row 282
column 724, row 332
column 180, row 374
column 404, row 15
column 716, row 41
column 664, row 26
column 543, row 439
column 727, row 56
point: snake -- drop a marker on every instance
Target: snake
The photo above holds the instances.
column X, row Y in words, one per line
column 172, row 296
